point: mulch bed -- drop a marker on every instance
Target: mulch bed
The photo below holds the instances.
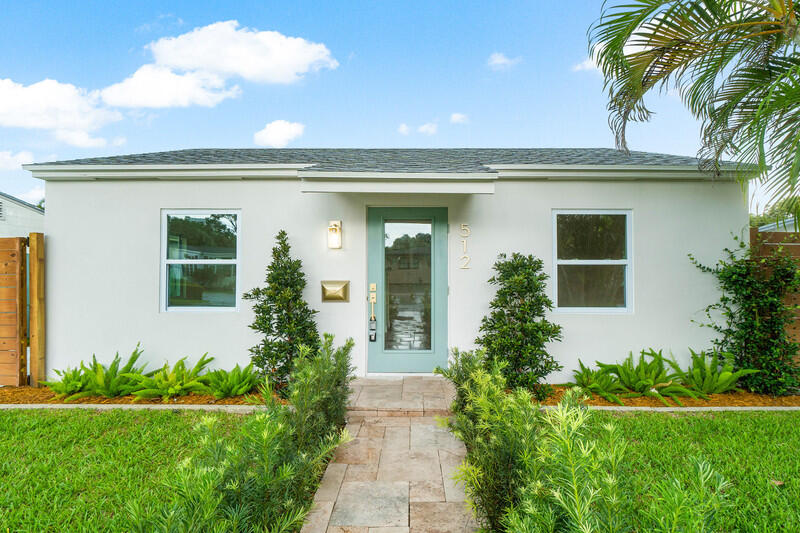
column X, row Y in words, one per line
column 30, row 395
column 728, row 399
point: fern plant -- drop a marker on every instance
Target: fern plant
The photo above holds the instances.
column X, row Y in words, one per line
column 598, row 382
column 111, row 381
column 710, row 375
column 648, row 378
column 176, row 381
column 73, row 380
column 224, row 384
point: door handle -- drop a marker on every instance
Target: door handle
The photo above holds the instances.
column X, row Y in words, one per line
column 373, row 323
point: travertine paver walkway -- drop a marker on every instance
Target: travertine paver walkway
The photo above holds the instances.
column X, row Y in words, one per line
column 395, row 476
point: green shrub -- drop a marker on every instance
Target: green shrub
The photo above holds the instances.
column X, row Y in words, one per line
column 460, row 370
column 319, row 389
column 282, row 315
column 712, row 375
column 516, row 330
column 264, row 476
column 598, row 382
column 530, row 469
column 176, row 381
column 111, row 381
column 643, row 378
column 224, row 384
column 500, row 431
column 755, row 315
column 73, row 380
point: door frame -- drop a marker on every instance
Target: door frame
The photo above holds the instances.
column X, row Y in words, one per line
column 380, row 360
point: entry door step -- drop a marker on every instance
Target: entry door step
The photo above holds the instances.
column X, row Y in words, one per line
column 404, row 396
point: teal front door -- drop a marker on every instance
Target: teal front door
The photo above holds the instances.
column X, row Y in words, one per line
column 407, row 288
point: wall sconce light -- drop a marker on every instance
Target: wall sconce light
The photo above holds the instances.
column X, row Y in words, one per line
column 335, row 234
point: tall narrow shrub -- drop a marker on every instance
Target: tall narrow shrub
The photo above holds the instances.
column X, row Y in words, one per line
column 516, row 330
column 754, row 315
column 282, row 315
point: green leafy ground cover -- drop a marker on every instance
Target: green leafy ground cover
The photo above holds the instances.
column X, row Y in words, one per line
column 756, row 451
column 74, row 470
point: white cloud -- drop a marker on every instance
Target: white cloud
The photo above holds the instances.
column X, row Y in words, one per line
column 403, row 129
column 12, row 161
column 459, row 118
column 429, row 128
column 500, row 61
column 278, row 133
column 70, row 112
column 225, row 49
column 586, row 64
column 158, row 86
column 33, row 196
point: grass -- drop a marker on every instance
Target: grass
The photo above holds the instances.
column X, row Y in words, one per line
column 758, row 452
column 74, row 470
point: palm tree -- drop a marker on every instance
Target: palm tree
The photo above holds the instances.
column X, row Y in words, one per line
column 735, row 64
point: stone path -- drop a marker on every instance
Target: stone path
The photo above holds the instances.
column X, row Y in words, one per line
column 395, row 475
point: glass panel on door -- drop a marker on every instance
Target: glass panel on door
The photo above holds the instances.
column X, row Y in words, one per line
column 407, row 267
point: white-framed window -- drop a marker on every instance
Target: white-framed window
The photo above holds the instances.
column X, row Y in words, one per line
column 592, row 265
column 200, row 256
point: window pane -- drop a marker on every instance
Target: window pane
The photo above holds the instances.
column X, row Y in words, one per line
column 201, row 286
column 591, row 285
column 408, row 285
column 201, row 236
column 591, row 236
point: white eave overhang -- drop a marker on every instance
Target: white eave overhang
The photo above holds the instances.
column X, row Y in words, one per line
column 163, row 172
column 398, row 182
column 611, row 172
column 378, row 182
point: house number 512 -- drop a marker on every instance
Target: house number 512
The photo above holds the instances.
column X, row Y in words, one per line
column 464, row 232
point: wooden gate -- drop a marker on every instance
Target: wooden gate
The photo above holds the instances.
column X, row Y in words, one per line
column 14, row 290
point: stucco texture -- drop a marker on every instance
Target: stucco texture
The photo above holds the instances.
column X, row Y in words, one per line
column 103, row 262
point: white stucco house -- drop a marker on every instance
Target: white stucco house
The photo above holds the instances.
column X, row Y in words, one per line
column 18, row 218
column 160, row 247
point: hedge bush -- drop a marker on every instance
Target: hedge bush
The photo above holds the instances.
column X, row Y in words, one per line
column 263, row 477
column 516, row 330
column 531, row 470
column 754, row 316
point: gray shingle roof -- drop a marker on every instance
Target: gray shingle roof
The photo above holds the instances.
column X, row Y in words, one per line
column 393, row 159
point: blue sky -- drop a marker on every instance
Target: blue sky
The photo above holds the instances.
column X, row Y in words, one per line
column 149, row 76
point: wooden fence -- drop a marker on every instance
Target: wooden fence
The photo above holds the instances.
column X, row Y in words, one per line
column 764, row 243
column 16, row 254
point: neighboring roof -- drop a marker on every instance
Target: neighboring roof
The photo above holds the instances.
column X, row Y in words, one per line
column 23, row 203
column 439, row 160
column 786, row 224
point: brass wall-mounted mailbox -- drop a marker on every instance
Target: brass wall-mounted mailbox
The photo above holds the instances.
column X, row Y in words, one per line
column 335, row 291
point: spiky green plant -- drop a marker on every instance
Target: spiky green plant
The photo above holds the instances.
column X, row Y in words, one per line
column 598, row 382
column 710, row 374
column 648, row 378
column 238, row 381
column 111, row 381
column 176, row 381
column 73, row 380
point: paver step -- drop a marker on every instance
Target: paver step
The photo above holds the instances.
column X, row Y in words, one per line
column 406, row 396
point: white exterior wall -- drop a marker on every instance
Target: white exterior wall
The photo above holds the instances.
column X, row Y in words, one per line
column 103, row 262
column 19, row 221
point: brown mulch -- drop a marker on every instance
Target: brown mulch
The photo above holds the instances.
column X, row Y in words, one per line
column 728, row 399
column 28, row 395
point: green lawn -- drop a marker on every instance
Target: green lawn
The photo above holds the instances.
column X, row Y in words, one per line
column 74, row 470
column 755, row 451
